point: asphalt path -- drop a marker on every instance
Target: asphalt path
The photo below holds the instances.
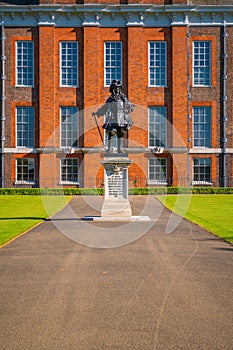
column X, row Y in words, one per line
column 165, row 284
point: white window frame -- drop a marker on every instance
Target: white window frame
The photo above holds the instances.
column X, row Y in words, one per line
column 157, row 165
column 204, row 123
column 160, row 141
column 30, row 132
column 26, row 66
column 73, row 67
column 161, row 66
column 204, row 181
column 66, row 181
column 74, row 128
column 203, row 60
column 27, row 181
column 113, row 76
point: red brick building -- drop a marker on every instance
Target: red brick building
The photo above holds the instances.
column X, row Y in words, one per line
column 174, row 59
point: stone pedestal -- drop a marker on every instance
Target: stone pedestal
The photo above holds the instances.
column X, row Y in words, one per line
column 116, row 203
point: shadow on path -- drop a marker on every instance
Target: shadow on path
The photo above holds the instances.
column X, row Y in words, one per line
column 161, row 291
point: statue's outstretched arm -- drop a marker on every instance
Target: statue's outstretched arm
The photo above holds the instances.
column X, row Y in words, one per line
column 102, row 110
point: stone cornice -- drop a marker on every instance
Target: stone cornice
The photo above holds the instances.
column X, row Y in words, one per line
column 131, row 150
column 116, row 15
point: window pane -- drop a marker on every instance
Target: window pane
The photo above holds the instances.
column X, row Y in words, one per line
column 69, row 170
column 69, row 126
column 157, row 63
column 69, row 63
column 25, row 63
column 113, row 62
column 202, row 170
column 157, row 171
column 25, row 169
column 157, row 127
column 202, row 126
column 202, row 63
column 25, row 127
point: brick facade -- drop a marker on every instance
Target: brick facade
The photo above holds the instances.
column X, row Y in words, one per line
column 178, row 96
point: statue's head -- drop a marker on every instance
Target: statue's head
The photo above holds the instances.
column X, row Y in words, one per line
column 115, row 87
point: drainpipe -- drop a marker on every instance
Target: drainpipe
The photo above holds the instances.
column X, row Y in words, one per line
column 3, row 99
column 224, row 102
column 188, row 107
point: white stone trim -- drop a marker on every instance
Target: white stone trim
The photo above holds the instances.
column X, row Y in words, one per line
column 204, row 183
column 203, row 150
column 171, row 150
column 116, row 15
column 157, row 183
column 33, row 182
column 20, row 150
column 69, row 183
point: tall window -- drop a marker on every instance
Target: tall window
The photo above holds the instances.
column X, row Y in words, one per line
column 24, row 63
column 25, row 126
column 202, row 126
column 202, row 170
column 157, row 63
column 112, row 62
column 157, row 170
column 69, row 170
column 201, row 63
column 69, row 126
column 25, row 169
column 69, row 63
column 157, row 126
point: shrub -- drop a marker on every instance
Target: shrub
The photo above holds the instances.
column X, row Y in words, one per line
column 132, row 191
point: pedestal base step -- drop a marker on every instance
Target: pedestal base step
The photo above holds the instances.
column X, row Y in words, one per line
column 115, row 208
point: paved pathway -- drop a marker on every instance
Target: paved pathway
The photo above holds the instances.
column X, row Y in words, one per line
column 161, row 291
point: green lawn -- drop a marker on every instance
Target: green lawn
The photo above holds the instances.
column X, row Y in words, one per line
column 213, row 212
column 19, row 213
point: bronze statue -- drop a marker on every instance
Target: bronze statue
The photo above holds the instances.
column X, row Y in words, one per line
column 117, row 111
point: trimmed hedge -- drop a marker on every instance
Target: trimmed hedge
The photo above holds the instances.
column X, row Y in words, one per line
column 180, row 190
column 51, row 191
column 19, row 191
column 132, row 191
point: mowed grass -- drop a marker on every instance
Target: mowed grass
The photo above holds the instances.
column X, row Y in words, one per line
column 19, row 213
column 212, row 212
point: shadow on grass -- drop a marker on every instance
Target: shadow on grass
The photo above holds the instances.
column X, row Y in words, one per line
column 24, row 218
